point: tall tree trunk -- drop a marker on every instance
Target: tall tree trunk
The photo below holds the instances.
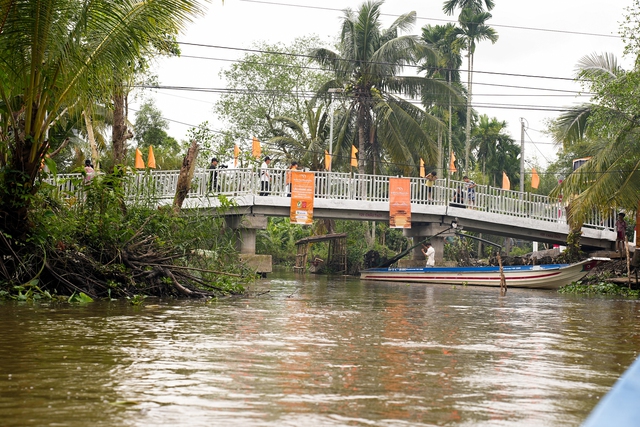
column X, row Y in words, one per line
column 18, row 183
column 362, row 140
column 467, row 145
column 185, row 176
column 450, row 148
column 120, row 132
column 88, row 122
column 439, row 168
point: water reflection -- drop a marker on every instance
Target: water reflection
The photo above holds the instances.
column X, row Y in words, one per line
column 315, row 351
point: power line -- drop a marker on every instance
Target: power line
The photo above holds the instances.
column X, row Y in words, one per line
column 310, row 95
column 238, row 61
column 300, row 55
column 549, row 30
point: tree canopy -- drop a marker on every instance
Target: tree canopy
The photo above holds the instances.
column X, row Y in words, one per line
column 54, row 53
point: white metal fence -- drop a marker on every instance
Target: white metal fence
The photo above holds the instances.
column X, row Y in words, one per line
column 156, row 185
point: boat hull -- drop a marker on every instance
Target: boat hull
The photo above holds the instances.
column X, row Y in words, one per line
column 551, row 276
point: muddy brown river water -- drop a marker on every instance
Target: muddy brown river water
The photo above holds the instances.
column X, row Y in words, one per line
column 317, row 351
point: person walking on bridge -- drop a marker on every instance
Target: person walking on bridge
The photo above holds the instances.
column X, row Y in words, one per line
column 265, row 178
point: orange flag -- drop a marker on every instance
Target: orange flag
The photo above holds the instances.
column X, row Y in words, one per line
column 236, row 153
column 421, row 168
column 452, row 165
column 535, row 179
column 506, row 184
column 139, row 164
column 256, row 150
column 151, row 160
column 354, row 159
column 327, row 160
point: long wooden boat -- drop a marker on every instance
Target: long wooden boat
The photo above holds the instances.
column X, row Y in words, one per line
column 546, row 276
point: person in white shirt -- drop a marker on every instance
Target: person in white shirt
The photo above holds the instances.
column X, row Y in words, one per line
column 430, row 253
column 264, row 177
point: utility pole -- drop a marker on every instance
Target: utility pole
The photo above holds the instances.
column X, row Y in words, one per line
column 331, row 91
column 521, row 154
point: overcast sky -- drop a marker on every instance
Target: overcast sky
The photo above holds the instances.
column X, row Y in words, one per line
column 540, row 43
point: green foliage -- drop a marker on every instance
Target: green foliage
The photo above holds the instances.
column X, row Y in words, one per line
column 80, row 297
column 279, row 240
column 55, row 54
column 137, row 300
column 600, row 288
column 268, row 85
column 118, row 247
column 150, row 129
column 368, row 67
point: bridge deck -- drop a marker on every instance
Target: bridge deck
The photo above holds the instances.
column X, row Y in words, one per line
column 366, row 197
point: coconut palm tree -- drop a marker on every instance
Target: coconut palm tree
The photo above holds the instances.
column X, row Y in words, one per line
column 497, row 151
column 475, row 5
column 445, row 40
column 367, row 67
column 612, row 176
column 54, row 52
column 473, row 29
column 302, row 142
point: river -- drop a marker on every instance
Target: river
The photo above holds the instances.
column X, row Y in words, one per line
column 317, row 351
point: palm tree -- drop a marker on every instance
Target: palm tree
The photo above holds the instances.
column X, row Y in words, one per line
column 612, row 176
column 475, row 5
column 497, row 151
column 445, row 40
column 52, row 53
column 367, row 67
column 473, row 28
column 303, row 142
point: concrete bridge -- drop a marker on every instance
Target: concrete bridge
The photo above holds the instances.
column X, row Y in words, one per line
column 358, row 197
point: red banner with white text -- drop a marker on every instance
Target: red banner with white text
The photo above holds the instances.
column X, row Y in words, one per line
column 399, row 203
column 302, row 191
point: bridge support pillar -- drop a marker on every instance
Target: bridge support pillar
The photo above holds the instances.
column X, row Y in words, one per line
column 246, row 230
column 420, row 232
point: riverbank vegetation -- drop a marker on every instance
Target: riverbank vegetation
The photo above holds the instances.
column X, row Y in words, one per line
column 97, row 242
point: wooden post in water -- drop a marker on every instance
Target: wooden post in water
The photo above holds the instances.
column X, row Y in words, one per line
column 503, row 280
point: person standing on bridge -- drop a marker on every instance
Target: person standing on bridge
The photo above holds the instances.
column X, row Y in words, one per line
column 430, row 253
column 265, row 178
column 430, row 182
column 471, row 191
column 213, row 175
column 621, row 231
column 293, row 167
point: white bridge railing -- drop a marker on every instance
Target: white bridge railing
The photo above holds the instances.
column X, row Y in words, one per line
column 157, row 185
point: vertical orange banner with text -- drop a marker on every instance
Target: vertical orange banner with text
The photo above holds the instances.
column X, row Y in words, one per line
column 399, row 203
column 302, row 191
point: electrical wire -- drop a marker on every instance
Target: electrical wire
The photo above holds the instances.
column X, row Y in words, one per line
column 438, row 19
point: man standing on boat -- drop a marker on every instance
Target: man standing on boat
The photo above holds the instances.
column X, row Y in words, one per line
column 430, row 253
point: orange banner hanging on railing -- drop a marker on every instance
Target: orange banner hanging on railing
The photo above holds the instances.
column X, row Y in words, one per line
column 236, row 154
column 535, row 179
column 452, row 163
column 151, row 160
column 399, row 203
column 302, row 191
column 354, row 159
column 256, row 149
column 327, row 161
column 139, row 163
column 506, row 183
column 422, row 174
